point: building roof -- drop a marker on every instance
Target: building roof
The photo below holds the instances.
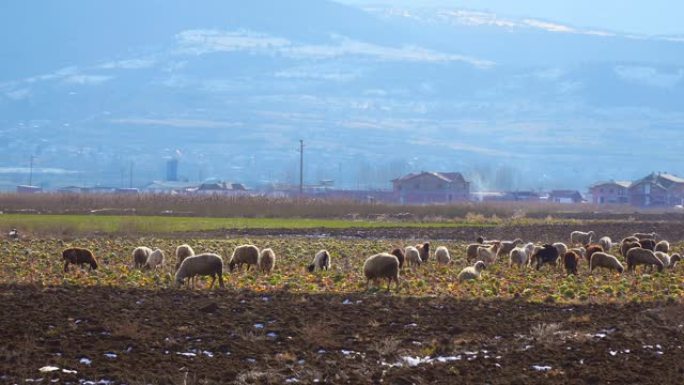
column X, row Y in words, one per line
column 621, row 183
column 661, row 179
column 565, row 194
column 445, row 176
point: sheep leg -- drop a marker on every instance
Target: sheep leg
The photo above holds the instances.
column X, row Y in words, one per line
column 66, row 266
column 213, row 279
column 220, row 279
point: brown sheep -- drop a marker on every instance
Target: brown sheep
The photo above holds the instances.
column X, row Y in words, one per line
column 424, row 251
column 78, row 256
column 626, row 245
column 399, row 253
column 571, row 260
column 591, row 249
column 648, row 244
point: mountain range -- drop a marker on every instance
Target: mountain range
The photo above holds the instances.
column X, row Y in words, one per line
column 95, row 89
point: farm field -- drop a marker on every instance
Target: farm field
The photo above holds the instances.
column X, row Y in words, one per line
column 123, row 325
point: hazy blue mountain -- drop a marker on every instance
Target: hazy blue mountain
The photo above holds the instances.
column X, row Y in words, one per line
column 230, row 87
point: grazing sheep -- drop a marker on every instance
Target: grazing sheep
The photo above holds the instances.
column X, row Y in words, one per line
column 643, row 236
column 570, row 261
column 471, row 251
column 399, row 253
column 591, row 249
column 472, row 272
column 155, row 259
column 488, row 254
column 649, row 244
column 266, row 261
column 561, row 247
column 244, row 255
column 674, row 259
column 546, row 255
column 631, row 238
column 581, row 251
column 505, row 247
column 518, row 256
column 412, row 256
column 140, row 255
column 78, row 256
column 663, row 257
column 606, row 243
column 382, row 265
column 607, row 261
column 424, row 251
column 202, row 265
column 529, row 249
column 582, row 238
column 182, row 252
column 663, row 246
column 321, row 261
column 442, row 255
column 641, row 256
column 625, row 246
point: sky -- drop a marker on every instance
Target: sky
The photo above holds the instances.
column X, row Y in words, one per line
column 653, row 17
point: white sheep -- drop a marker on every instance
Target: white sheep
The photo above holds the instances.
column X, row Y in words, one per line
column 519, row 256
column 642, row 236
column 202, row 265
column 442, row 255
column 244, row 255
column 382, row 265
column 580, row 237
column 487, row 254
column 140, row 255
column 606, row 243
column 641, row 256
column 321, row 261
column 601, row 259
column 412, row 256
column 472, row 272
column 267, row 260
column 155, row 259
column 663, row 257
column 561, row 247
column 663, row 246
column 182, row 252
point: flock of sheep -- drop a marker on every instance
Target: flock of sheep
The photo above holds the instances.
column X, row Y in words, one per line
column 637, row 249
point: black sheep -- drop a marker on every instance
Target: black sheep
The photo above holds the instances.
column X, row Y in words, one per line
column 547, row 254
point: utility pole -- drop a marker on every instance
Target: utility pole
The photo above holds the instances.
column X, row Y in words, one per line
column 301, row 166
column 31, row 171
column 130, row 179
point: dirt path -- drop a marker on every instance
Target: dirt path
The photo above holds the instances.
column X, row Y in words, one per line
column 160, row 337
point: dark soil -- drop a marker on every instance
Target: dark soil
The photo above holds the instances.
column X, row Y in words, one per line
column 181, row 336
column 536, row 232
